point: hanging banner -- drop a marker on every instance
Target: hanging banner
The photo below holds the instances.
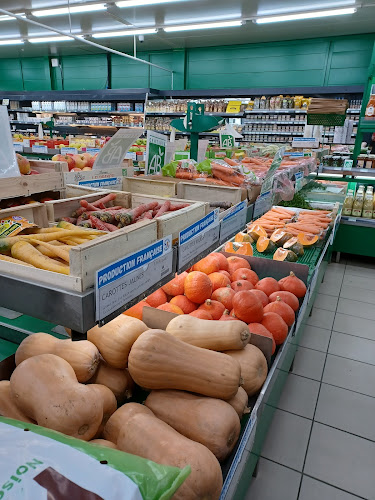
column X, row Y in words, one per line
column 155, row 152
column 113, row 153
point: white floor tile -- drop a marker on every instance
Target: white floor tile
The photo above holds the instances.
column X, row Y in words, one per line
column 351, row 347
column 321, row 318
column 350, row 374
column 353, row 325
column 364, row 282
column 311, row 489
column 309, row 363
column 299, row 396
column 359, row 294
column 355, row 308
column 315, row 338
column 361, row 272
column 327, row 302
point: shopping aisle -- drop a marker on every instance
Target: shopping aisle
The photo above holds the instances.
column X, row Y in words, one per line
column 321, row 443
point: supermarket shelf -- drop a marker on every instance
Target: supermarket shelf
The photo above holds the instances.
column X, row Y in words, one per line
column 271, row 132
column 76, row 112
column 272, row 122
column 351, row 220
column 366, row 125
column 353, row 172
column 73, row 125
column 81, row 95
column 276, row 111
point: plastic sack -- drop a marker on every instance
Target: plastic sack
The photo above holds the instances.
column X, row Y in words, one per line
column 8, row 159
column 284, row 188
column 169, row 170
column 42, row 464
column 204, row 166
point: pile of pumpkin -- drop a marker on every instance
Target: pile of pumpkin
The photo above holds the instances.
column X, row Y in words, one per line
column 225, row 289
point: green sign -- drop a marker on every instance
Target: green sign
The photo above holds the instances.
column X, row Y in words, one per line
column 155, row 153
column 226, row 141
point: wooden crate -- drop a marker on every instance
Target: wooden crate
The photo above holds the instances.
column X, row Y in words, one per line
column 48, row 166
column 64, row 208
column 154, row 187
column 87, row 258
column 33, row 212
column 173, row 222
column 208, row 193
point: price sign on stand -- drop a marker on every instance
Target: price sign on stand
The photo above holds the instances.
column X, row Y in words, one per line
column 198, row 237
column 125, row 279
column 234, row 221
column 39, row 149
column 67, row 150
column 234, row 107
column 263, row 204
column 112, row 154
column 299, row 179
column 155, row 152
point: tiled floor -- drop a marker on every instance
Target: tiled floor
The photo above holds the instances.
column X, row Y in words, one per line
column 321, row 443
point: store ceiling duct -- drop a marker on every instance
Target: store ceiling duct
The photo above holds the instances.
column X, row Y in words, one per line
column 73, row 9
column 203, row 26
column 128, row 32
column 306, row 15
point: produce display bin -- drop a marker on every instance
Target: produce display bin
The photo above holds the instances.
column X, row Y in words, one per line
column 158, row 187
column 26, row 185
column 209, row 193
column 33, row 212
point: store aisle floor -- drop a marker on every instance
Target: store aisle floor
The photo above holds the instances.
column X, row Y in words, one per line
column 321, row 443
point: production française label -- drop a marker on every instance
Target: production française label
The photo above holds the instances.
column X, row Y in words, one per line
column 198, row 237
column 125, row 279
column 234, row 221
column 299, row 178
column 263, row 204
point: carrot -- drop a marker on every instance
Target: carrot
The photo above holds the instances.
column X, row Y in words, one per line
column 15, row 261
column 129, row 217
column 88, row 206
column 48, row 230
column 98, row 223
column 164, row 208
column 231, row 162
column 72, row 220
column 107, row 198
column 58, row 251
column 24, row 251
column 184, row 175
column 178, row 206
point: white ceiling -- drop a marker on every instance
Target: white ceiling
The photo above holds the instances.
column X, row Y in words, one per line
column 179, row 12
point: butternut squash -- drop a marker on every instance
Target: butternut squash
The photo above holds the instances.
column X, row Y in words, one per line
column 8, row 407
column 82, row 355
column 211, row 422
column 239, row 402
column 45, row 389
column 215, row 335
column 120, row 417
column 115, row 339
column 151, row 438
column 159, row 360
column 109, row 402
column 103, row 442
column 254, row 367
column 119, row 381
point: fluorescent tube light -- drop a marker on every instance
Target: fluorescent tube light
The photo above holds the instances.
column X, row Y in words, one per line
column 140, row 3
column 50, row 39
column 10, row 18
column 16, row 41
column 305, row 15
column 202, row 26
column 129, row 32
column 74, row 9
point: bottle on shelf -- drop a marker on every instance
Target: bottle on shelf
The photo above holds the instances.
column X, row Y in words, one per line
column 348, row 203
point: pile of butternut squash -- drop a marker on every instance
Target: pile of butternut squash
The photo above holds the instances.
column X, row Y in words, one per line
column 199, row 374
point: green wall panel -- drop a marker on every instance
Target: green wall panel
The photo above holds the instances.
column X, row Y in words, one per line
column 126, row 73
column 36, row 73
column 85, row 72
column 11, row 74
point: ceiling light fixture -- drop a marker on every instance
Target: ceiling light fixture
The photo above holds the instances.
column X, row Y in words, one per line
column 94, row 7
column 140, row 3
column 10, row 18
column 129, row 32
column 16, row 41
column 50, row 39
column 202, row 26
column 306, row 15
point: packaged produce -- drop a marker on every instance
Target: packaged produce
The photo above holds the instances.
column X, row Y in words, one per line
column 370, row 108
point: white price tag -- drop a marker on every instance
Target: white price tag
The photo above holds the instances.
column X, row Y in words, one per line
column 348, row 164
column 112, row 154
column 93, row 151
column 305, row 142
column 263, row 204
column 125, row 279
column 234, row 221
column 198, row 237
column 18, row 147
column 67, row 150
column 39, row 149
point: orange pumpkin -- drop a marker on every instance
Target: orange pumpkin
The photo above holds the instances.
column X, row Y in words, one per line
column 307, row 240
column 276, row 325
column 259, row 329
column 225, row 273
column 170, row 308
column 223, row 263
column 268, row 286
column 239, row 248
column 199, row 313
column 157, row 298
column 175, row 286
column 227, row 317
column 183, row 303
column 218, row 280
column 235, row 263
column 136, row 310
column 293, row 285
column 225, row 296
column 287, row 297
column 245, row 274
column 247, row 307
column 207, row 265
column 240, row 285
column 261, row 296
column 282, row 309
column 214, row 307
column 197, row 287
column 241, row 237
